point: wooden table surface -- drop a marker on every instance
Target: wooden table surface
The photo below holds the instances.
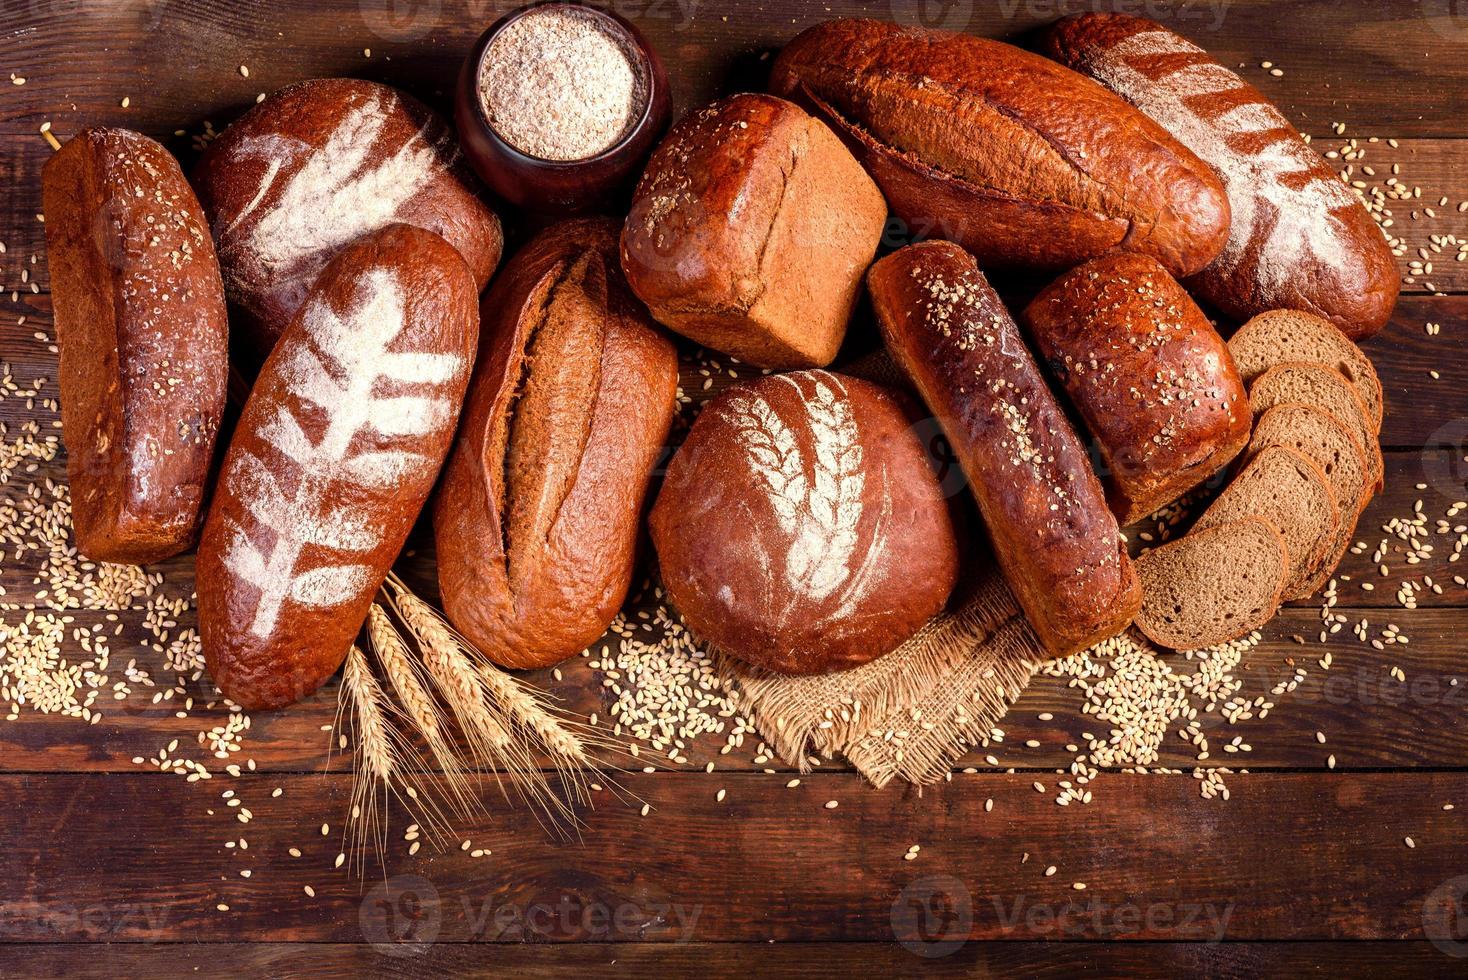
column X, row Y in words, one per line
column 111, row 867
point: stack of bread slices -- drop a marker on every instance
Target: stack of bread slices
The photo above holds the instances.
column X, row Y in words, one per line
column 1278, row 530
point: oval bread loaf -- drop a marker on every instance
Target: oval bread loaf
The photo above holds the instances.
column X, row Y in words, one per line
column 537, row 517
column 334, row 455
column 142, row 332
column 314, row 167
column 1018, row 159
column 800, row 526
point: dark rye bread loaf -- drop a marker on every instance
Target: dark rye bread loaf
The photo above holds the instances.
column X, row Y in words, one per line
column 1287, row 489
column 1051, row 530
column 1016, row 158
column 801, row 527
column 317, row 165
column 141, row 327
column 1213, row 585
column 1315, row 384
column 1300, row 238
column 1281, row 336
column 537, row 516
column 750, row 231
column 1148, row 374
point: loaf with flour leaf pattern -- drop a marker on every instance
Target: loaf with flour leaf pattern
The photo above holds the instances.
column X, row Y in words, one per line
column 334, row 455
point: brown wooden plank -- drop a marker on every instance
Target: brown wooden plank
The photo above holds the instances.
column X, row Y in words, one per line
column 797, row 961
column 1290, row 856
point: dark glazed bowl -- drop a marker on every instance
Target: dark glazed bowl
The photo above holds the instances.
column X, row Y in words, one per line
column 559, row 186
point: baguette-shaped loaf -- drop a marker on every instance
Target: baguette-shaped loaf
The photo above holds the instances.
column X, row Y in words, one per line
column 537, row 517
column 1150, row 377
column 1300, row 239
column 1018, row 159
column 314, row 167
column 334, row 455
column 1052, row 533
column 140, row 323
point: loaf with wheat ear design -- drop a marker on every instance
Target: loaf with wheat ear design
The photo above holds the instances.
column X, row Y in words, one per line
column 334, row 455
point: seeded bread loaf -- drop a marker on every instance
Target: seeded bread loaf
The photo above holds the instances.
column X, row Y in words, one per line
column 334, row 454
column 537, row 516
column 1315, row 384
column 1052, row 533
column 1287, row 489
column 801, row 527
column 1019, row 160
column 1147, row 373
column 141, row 327
column 750, row 231
column 1281, row 336
column 312, row 168
column 1213, row 585
column 1300, row 239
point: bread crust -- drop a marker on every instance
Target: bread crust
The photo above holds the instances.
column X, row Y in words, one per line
column 1052, row 532
column 537, row 517
column 143, row 338
column 1018, row 159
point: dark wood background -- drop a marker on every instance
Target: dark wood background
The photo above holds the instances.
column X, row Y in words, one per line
column 112, row 868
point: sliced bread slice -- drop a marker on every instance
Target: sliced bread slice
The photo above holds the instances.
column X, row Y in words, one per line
column 1288, row 490
column 1303, row 383
column 1292, row 335
column 1332, row 446
column 1214, row 585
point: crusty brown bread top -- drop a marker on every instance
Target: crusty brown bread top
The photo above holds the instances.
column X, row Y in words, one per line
column 1280, row 336
column 1300, row 239
column 537, row 515
column 317, row 165
column 143, row 338
column 1017, row 158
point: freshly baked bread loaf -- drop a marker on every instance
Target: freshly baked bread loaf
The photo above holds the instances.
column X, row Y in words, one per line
column 1280, row 336
column 1213, row 585
column 1019, row 160
column 314, row 167
column 1323, row 387
column 1328, row 443
column 1052, row 533
column 140, row 323
column 1300, row 238
column 537, row 516
column 800, row 527
column 332, row 459
column 750, row 231
column 1288, row 490
column 1148, row 374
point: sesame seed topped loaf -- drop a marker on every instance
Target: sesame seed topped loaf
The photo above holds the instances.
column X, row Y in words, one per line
column 750, row 230
column 1291, row 492
column 1315, row 384
column 1300, row 238
column 1289, row 335
column 143, row 338
column 1213, row 585
column 1052, row 532
column 317, row 165
column 801, row 527
column 1018, row 159
column 1147, row 373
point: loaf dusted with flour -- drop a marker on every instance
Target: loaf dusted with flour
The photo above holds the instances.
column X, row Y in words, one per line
column 334, row 455
column 1019, row 160
column 1300, row 239
column 537, row 517
column 801, row 528
column 140, row 323
column 314, row 167
column 750, row 231
column 1052, row 532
